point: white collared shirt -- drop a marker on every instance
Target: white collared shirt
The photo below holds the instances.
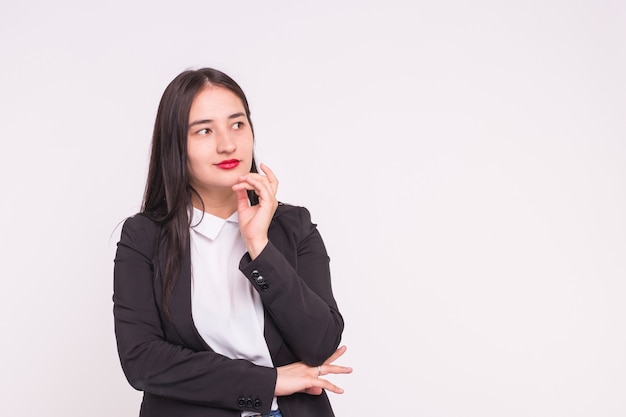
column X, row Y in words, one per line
column 226, row 310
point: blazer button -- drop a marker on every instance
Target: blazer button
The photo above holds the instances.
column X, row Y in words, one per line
column 255, row 274
column 241, row 402
column 265, row 287
column 249, row 402
column 257, row 404
column 260, row 280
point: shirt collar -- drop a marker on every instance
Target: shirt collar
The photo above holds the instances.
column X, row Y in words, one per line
column 209, row 225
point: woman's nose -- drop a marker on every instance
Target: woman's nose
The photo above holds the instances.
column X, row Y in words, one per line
column 225, row 143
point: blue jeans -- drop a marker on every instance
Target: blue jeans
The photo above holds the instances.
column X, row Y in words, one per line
column 273, row 413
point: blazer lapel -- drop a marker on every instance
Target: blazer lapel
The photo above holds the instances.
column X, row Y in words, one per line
column 180, row 307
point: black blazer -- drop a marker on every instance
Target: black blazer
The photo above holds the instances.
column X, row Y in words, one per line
column 170, row 362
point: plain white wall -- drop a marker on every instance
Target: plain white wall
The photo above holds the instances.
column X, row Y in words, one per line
column 465, row 163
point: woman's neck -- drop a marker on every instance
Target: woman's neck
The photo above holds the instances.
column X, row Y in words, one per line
column 223, row 206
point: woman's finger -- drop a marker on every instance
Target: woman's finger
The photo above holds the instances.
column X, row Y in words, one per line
column 327, row 385
column 338, row 353
column 270, row 176
column 258, row 179
column 260, row 184
column 334, row 369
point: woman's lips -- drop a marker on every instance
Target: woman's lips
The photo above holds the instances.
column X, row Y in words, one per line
column 230, row 164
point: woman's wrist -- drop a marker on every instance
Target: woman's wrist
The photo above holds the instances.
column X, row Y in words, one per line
column 255, row 247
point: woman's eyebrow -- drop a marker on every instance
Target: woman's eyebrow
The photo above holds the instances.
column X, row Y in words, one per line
column 203, row 121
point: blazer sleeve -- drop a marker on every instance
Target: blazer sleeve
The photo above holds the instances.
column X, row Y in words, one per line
column 292, row 276
column 163, row 367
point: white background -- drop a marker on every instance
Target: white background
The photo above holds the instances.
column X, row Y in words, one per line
column 465, row 163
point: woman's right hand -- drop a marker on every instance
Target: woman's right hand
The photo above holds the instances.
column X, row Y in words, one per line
column 299, row 377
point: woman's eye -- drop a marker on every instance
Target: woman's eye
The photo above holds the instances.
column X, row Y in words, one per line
column 238, row 125
column 205, row 131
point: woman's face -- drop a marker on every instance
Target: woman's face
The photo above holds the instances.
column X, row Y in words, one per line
column 219, row 141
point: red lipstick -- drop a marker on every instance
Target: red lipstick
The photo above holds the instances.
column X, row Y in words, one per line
column 228, row 164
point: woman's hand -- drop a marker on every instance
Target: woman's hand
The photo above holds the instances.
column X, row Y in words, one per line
column 255, row 220
column 299, row 377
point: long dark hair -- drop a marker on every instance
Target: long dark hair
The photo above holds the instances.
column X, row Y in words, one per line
column 167, row 197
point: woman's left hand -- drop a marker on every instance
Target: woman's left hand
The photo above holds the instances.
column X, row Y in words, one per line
column 254, row 221
column 299, row 377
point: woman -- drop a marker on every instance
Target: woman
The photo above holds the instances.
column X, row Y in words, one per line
column 223, row 303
